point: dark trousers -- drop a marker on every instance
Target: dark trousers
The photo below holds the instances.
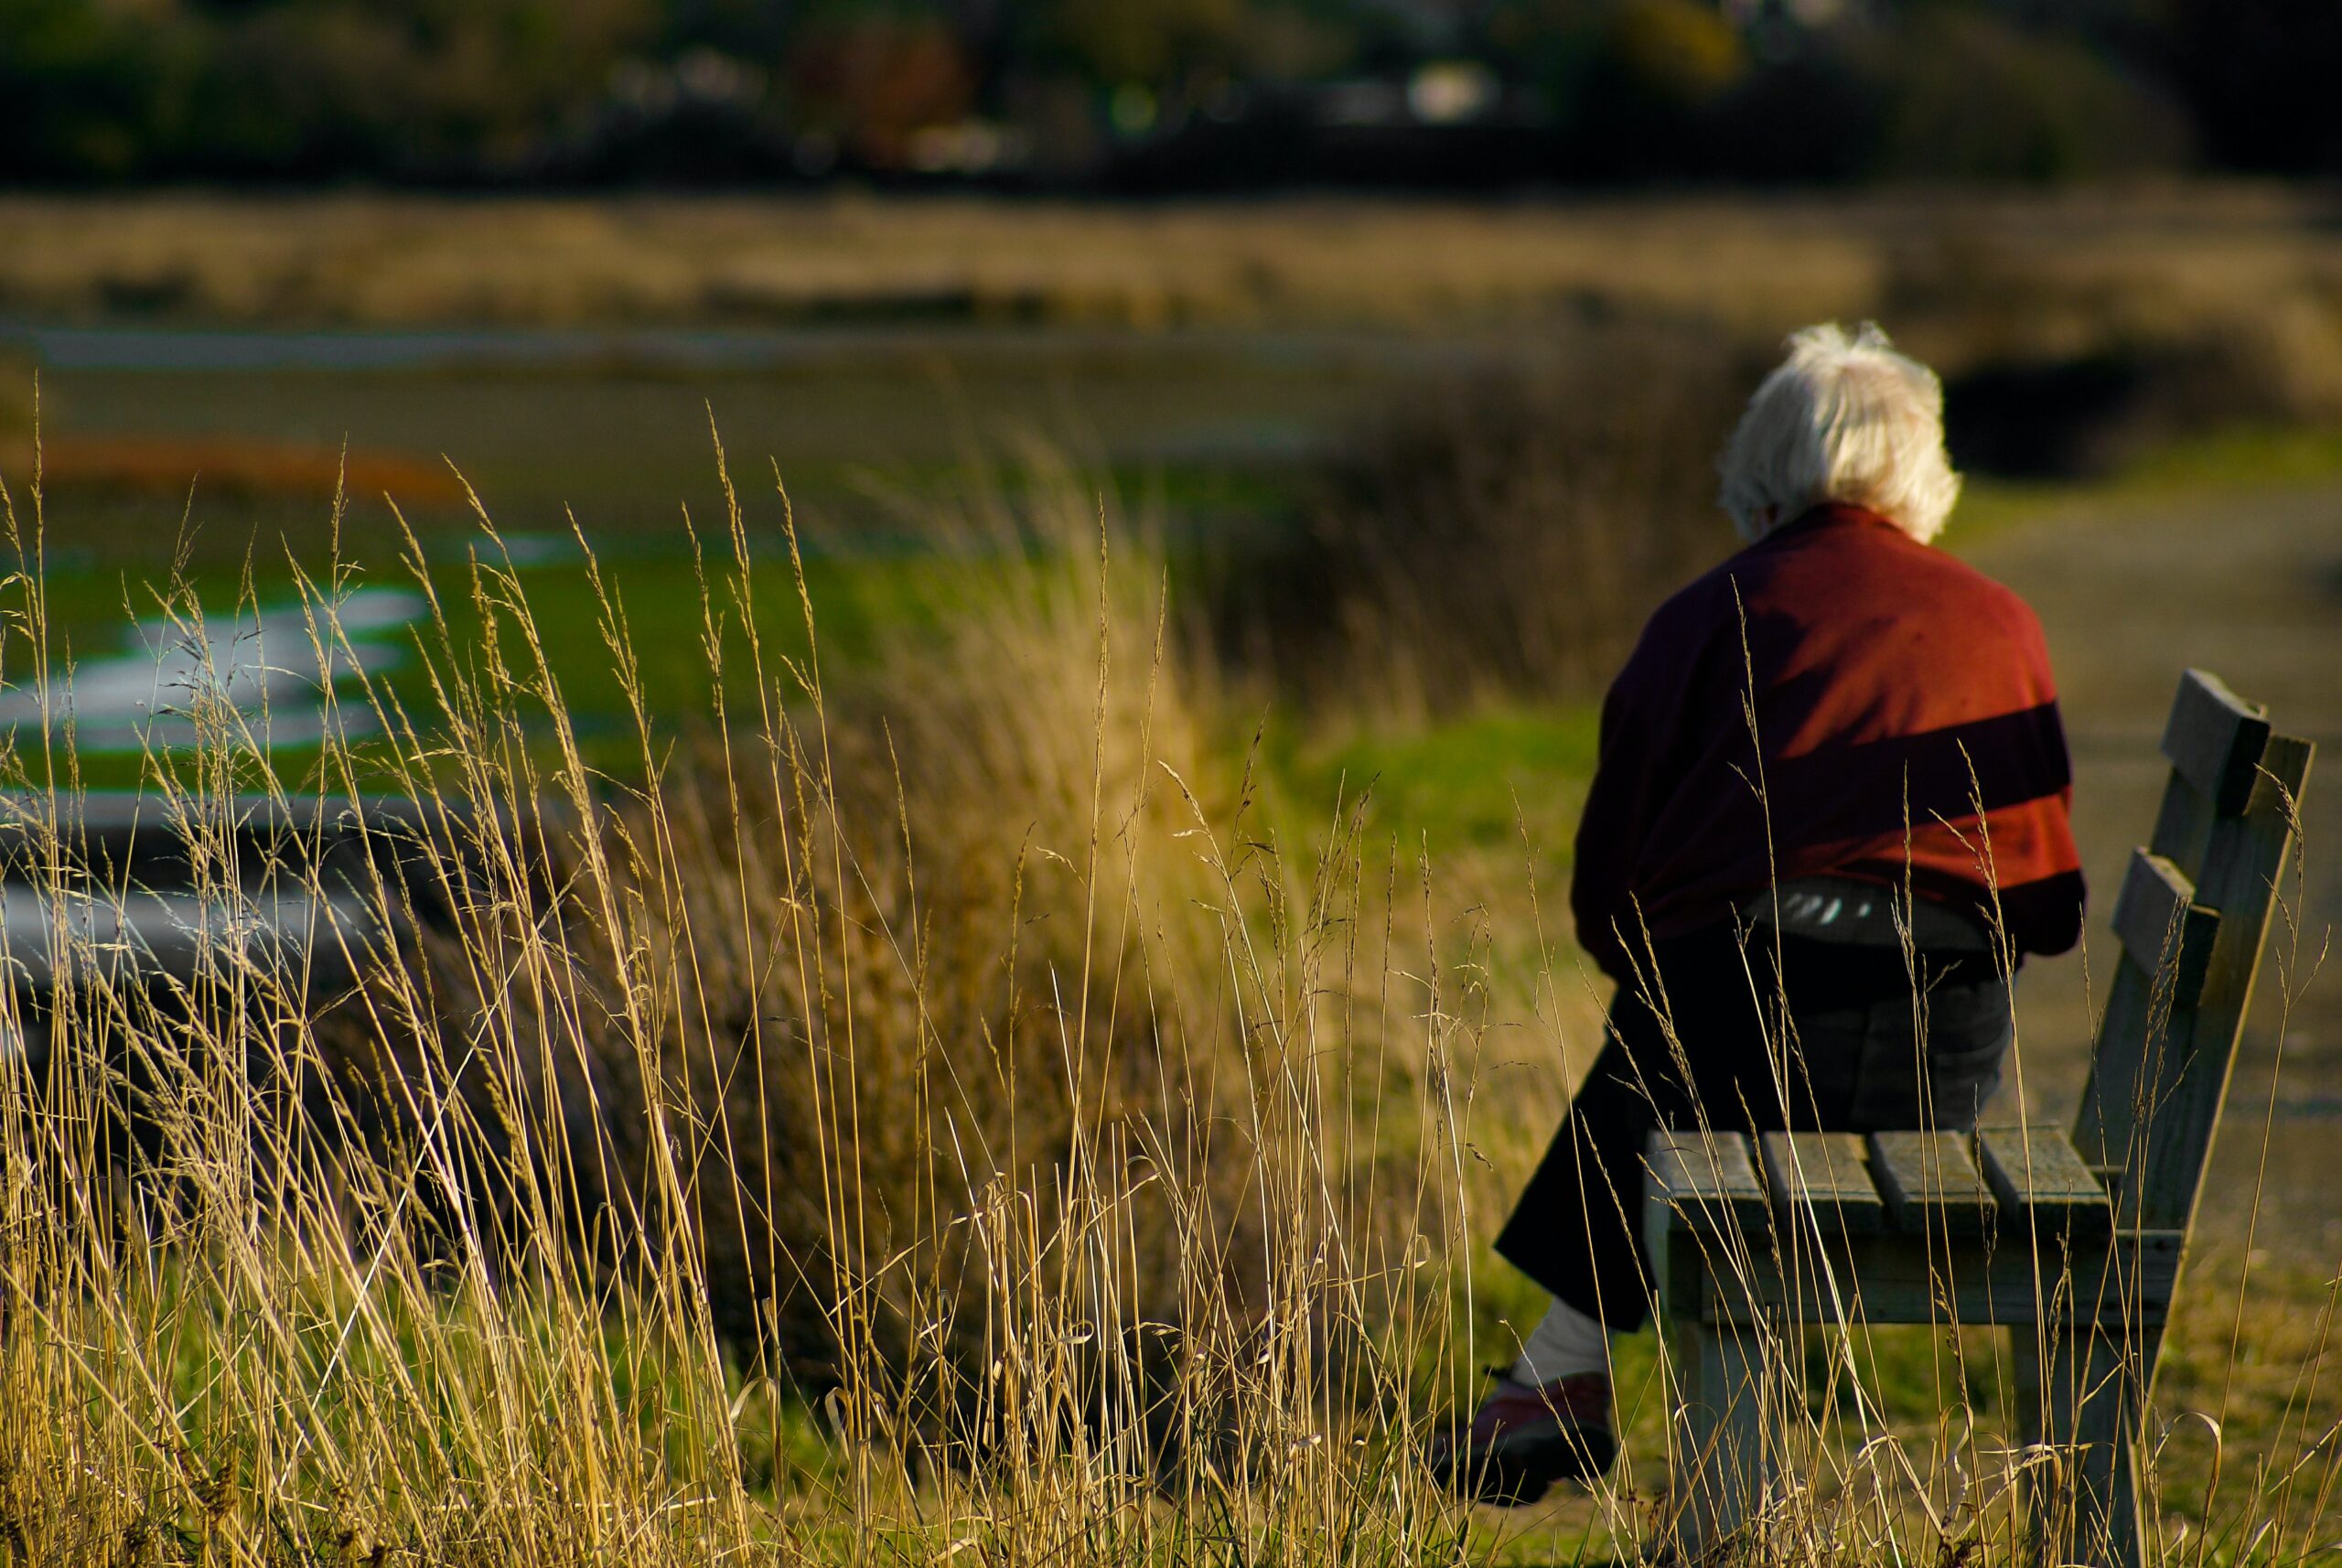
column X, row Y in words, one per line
column 1860, row 1051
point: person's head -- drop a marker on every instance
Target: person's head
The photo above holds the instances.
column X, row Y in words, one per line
column 1844, row 419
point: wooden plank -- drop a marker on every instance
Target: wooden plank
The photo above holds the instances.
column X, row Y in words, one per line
column 1707, row 1180
column 2093, row 1400
column 1726, row 1441
column 1930, row 1183
column 2183, row 824
column 2215, row 739
column 2162, row 928
column 2125, row 1065
column 1826, row 1175
column 2042, row 1183
column 1703, row 1209
column 2122, row 1280
column 2165, row 1157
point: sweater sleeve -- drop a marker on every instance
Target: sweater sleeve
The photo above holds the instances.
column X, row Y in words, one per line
column 2045, row 915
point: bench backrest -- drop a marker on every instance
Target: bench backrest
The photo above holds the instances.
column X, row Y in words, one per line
column 2191, row 919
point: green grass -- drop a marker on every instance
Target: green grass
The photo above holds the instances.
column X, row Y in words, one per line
column 1486, row 794
column 241, row 1341
column 2240, row 459
column 1472, row 781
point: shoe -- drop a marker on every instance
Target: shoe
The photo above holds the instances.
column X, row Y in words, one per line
column 1524, row 1438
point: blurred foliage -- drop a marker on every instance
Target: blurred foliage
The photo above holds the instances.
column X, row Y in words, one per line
column 1973, row 95
column 506, row 91
column 92, row 88
column 1504, row 529
column 1149, row 42
column 16, row 410
column 1628, row 84
column 871, row 83
column 2260, row 77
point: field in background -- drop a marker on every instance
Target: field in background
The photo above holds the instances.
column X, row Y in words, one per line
column 1389, row 451
column 406, row 260
column 1295, row 395
column 966, row 1101
column 1365, row 575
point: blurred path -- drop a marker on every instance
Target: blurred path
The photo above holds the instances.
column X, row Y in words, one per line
column 2248, row 587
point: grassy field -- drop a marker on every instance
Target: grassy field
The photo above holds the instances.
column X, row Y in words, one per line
column 403, row 260
column 1061, row 1131
column 983, row 1066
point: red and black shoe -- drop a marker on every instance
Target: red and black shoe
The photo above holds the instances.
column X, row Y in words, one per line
column 1524, row 1438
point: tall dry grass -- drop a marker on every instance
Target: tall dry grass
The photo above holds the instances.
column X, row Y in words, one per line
column 934, row 1050
column 922, row 1113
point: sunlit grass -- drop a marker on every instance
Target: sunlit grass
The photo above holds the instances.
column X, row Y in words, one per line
column 2234, row 461
column 920, row 1099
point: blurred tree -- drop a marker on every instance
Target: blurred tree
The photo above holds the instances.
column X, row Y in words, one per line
column 1631, row 83
column 1814, row 114
column 436, row 87
column 1974, row 96
column 1781, row 90
column 2261, row 77
column 1148, row 69
column 86, row 88
column 1298, row 40
column 869, row 78
column 753, row 27
column 1677, row 51
column 1154, row 44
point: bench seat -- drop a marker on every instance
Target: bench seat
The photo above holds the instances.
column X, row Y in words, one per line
column 2076, row 1237
column 1895, row 1229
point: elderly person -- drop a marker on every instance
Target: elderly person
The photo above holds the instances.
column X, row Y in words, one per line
column 1829, row 818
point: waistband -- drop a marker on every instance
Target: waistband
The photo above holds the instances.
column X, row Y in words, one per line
column 1841, row 910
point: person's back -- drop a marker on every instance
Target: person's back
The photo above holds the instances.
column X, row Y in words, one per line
column 1835, row 699
column 1830, row 816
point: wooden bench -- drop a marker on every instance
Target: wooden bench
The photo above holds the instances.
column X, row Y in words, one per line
column 2076, row 1240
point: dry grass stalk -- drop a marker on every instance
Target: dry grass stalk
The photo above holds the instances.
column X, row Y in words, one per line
column 924, row 1116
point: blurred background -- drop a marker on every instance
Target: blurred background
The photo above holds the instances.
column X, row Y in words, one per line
column 1161, row 95
column 1390, row 343
column 1399, row 336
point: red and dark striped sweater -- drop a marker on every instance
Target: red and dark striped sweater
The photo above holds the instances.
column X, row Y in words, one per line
column 1895, row 691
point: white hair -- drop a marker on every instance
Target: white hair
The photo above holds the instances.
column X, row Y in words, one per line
column 1845, row 419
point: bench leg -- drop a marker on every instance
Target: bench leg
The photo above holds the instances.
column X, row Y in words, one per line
column 2084, row 1398
column 1723, row 1450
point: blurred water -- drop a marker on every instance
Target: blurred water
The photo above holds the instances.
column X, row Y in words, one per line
column 613, row 426
column 263, row 669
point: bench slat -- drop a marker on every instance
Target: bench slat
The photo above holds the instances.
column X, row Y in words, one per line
column 2042, row 1182
column 2215, row 739
column 2162, row 928
column 2124, row 1279
column 2166, row 1150
column 1930, row 1183
column 2183, row 825
column 1827, row 1173
column 1708, row 1178
column 2124, row 1065
column 2159, row 1076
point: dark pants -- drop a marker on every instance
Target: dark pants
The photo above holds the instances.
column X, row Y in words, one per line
column 1853, row 1058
